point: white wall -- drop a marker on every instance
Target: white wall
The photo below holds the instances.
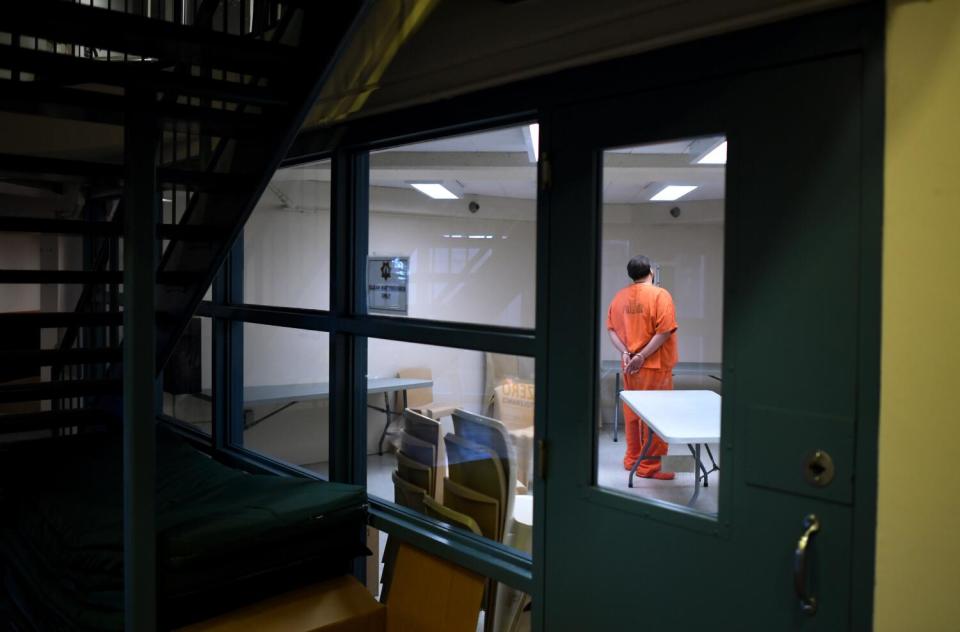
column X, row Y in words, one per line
column 691, row 258
column 490, row 281
column 286, row 253
column 19, row 251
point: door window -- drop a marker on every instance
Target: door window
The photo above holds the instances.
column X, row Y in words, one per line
column 661, row 322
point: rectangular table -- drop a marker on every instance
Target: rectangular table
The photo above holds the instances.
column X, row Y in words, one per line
column 690, row 417
column 290, row 394
column 709, row 369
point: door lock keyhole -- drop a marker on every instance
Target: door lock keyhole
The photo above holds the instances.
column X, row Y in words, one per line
column 818, row 468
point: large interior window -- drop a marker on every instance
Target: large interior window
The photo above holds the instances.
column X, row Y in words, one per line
column 286, row 241
column 453, row 229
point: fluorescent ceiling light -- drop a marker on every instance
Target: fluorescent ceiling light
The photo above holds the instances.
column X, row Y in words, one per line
column 671, row 192
column 168, row 200
column 435, row 190
column 716, row 156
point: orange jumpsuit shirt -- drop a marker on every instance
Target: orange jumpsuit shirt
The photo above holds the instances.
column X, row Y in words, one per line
column 636, row 314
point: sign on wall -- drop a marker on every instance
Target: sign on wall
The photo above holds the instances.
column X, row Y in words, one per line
column 387, row 284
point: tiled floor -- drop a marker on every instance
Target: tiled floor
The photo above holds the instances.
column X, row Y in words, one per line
column 611, row 475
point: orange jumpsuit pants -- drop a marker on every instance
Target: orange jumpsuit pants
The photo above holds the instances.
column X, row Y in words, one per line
column 635, row 430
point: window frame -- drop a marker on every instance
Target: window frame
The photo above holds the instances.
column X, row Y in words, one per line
column 349, row 326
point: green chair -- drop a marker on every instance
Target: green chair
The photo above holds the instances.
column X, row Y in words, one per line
column 407, row 494
column 454, row 518
column 478, row 468
column 493, row 435
column 416, row 473
column 426, row 429
column 483, row 509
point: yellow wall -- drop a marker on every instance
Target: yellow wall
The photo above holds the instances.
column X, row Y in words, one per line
column 918, row 522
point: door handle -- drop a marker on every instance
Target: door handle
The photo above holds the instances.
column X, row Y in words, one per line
column 808, row 603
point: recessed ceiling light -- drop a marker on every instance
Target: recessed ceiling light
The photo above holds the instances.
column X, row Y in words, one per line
column 435, row 190
column 716, row 156
column 671, row 192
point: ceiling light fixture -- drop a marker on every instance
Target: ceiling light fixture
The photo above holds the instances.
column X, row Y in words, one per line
column 672, row 192
column 716, row 156
column 435, row 190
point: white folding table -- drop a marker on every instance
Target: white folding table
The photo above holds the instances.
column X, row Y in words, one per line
column 690, row 417
column 708, row 369
column 290, row 394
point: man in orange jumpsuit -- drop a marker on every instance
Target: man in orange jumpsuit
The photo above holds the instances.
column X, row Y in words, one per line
column 642, row 321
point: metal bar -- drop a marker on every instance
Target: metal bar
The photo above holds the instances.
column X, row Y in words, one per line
column 59, row 319
column 616, row 407
column 34, row 165
column 85, row 105
column 348, row 360
column 139, row 351
column 513, row 341
column 86, row 276
column 233, row 284
column 254, row 422
column 39, row 391
column 61, row 226
column 58, row 276
column 387, row 413
column 146, row 37
column 50, row 357
column 268, row 315
column 51, row 419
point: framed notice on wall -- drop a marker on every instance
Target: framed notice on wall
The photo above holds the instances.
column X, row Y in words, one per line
column 387, row 284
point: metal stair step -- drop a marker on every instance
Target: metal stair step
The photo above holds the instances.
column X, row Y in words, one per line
column 51, row 357
column 56, row 390
column 25, row 422
column 99, row 107
column 69, row 70
column 175, row 278
column 183, row 232
column 60, row 169
column 43, row 320
column 67, row 22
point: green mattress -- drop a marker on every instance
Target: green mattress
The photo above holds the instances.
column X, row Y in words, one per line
column 223, row 536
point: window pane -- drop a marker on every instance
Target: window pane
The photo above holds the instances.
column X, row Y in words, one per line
column 665, row 202
column 286, row 394
column 467, row 457
column 468, row 255
column 286, row 241
column 188, row 377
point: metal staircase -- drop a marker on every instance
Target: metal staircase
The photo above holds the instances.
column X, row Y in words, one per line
column 225, row 85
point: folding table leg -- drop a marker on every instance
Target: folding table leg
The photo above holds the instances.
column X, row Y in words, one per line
column 643, row 455
column 616, row 407
column 386, row 425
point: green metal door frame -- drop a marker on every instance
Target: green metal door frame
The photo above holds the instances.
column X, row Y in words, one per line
column 855, row 30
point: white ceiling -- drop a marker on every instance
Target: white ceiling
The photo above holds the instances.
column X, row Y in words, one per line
column 497, row 164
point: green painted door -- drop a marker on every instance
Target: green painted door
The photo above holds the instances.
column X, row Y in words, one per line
column 794, row 240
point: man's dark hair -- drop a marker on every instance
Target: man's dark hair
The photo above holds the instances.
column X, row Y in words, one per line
column 638, row 268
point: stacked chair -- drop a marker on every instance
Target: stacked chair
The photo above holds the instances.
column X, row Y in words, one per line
column 476, row 494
